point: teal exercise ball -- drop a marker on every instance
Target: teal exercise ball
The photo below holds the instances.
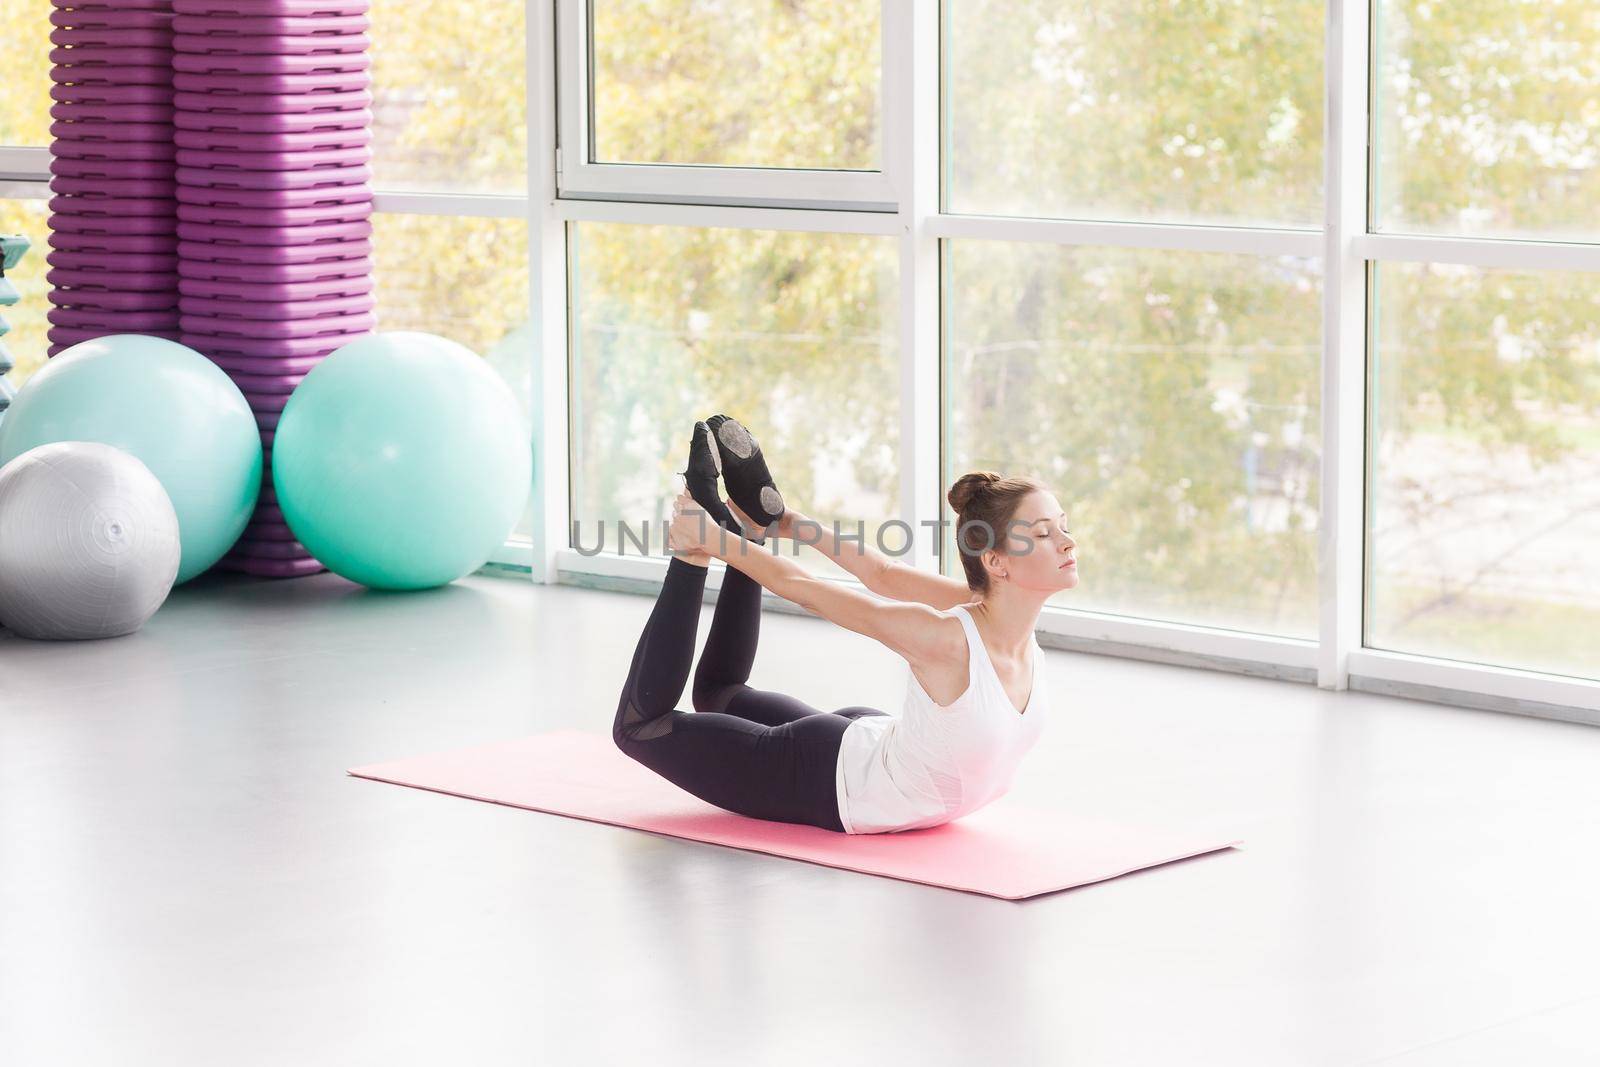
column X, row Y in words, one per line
column 167, row 405
column 402, row 461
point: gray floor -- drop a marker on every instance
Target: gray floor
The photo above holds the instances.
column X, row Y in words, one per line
column 187, row 875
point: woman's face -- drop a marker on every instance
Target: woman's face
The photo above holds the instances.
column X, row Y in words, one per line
column 1050, row 564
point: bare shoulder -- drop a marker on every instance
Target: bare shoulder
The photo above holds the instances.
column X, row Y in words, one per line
column 943, row 666
column 946, row 638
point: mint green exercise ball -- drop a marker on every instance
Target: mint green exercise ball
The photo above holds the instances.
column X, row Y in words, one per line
column 171, row 408
column 402, row 461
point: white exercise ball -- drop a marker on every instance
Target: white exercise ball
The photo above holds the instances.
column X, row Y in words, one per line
column 89, row 542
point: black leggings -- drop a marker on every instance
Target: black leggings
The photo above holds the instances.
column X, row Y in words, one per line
column 748, row 751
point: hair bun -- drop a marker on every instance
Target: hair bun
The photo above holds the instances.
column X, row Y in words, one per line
column 967, row 487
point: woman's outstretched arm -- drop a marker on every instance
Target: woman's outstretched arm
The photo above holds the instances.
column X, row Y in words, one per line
column 857, row 557
column 878, row 572
column 917, row 632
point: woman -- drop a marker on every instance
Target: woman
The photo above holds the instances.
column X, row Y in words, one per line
column 975, row 699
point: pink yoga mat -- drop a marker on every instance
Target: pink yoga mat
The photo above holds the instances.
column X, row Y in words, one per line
column 1006, row 850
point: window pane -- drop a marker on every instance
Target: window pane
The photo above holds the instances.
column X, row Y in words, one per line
column 742, row 83
column 1171, row 402
column 449, row 85
column 1135, row 111
column 26, row 342
column 465, row 279
column 1485, row 496
column 792, row 334
column 1485, row 118
column 25, row 80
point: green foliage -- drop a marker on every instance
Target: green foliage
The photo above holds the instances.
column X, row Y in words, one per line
column 782, row 84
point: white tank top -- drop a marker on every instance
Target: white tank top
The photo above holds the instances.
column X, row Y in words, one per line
column 934, row 763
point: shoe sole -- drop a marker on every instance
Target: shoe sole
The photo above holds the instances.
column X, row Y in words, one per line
column 736, row 439
column 771, row 500
column 711, row 447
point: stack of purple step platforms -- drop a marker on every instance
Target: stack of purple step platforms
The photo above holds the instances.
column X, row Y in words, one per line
column 113, row 264
column 273, row 130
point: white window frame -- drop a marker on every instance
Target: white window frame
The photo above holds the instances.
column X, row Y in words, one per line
column 911, row 101
column 580, row 176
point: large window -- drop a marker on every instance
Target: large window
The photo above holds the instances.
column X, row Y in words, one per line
column 742, row 84
column 1485, row 118
column 791, row 333
column 1269, row 295
column 1135, row 110
column 1294, row 309
column 1485, row 504
column 1484, row 373
column 1170, row 401
column 450, row 96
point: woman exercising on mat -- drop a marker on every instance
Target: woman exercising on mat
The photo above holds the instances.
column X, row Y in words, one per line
column 975, row 700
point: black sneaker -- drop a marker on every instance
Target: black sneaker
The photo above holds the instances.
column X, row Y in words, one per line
column 744, row 471
column 705, row 466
